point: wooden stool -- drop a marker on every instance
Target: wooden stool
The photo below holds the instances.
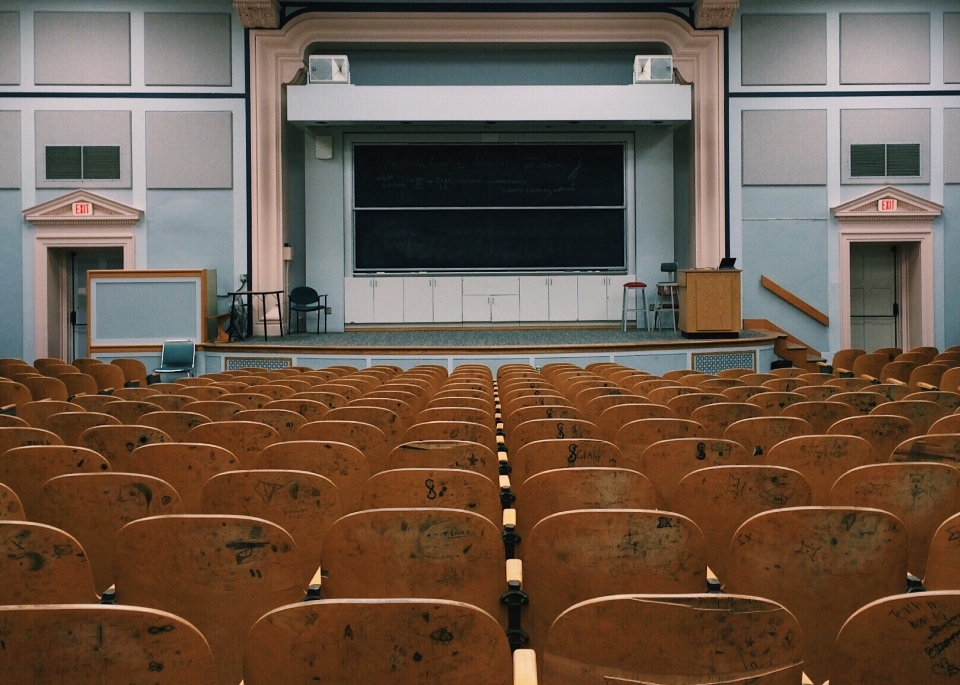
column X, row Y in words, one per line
column 634, row 286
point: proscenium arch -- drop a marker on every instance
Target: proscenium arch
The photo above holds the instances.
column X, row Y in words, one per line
column 277, row 55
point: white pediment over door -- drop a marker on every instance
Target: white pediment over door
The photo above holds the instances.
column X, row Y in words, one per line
column 888, row 204
column 82, row 208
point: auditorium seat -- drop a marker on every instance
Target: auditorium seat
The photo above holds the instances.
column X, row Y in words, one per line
column 15, row 394
column 941, row 448
column 864, row 401
column 137, row 394
column 774, row 402
column 310, row 410
column 244, row 439
column 366, row 437
column 820, row 415
column 634, row 437
column 92, row 507
column 905, row 638
column 46, row 388
column 344, row 465
column 948, row 424
column 111, row 440
column 718, row 385
column 176, row 424
column 842, row 361
column 545, row 455
column 921, row 495
column 10, row 507
column 434, row 487
column 822, row 564
column 220, row 573
column 897, row 371
column 92, row 403
column 186, row 466
column 884, row 433
column 719, row 499
column 690, row 639
column 62, row 643
column 134, row 371
column 384, row 419
column 540, row 411
column 129, row 411
column 11, row 421
column 595, row 407
column 849, row 384
column 25, row 469
column 41, row 564
column 566, row 489
column 171, row 402
column 35, row 413
column 741, row 393
column 573, row 556
column 304, row 504
column 921, row 413
column 666, row 463
column 370, row 641
column 684, row 405
column 821, row 459
column 215, row 410
column 950, row 401
column 553, row 429
column 69, row 425
column 107, row 376
column 758, row 435
column 283, row 421
column 717, row 416
column 818, row 393
column 450, row 430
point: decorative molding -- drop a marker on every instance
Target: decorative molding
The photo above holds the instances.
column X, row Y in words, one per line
column 258, row 14
column 714, row 14
column 909, row 207
column 103, row 212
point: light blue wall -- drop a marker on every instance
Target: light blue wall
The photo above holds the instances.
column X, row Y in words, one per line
column 951, row 275
column 11, row 275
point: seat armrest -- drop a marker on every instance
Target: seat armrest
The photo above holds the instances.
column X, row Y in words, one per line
column 927, row 386
column 515, row 573
column 869, row 378
column 506, row 495
column 10, row 409
column 894, row 381
column 524, row 667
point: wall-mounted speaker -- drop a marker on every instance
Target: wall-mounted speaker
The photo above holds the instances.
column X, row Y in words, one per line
column 329, row 69
column 653, row 69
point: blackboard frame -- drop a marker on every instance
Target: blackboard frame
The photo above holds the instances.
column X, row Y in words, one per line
column 588, row 216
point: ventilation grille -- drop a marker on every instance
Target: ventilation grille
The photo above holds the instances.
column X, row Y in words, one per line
column 83, row 163
column 879, row 160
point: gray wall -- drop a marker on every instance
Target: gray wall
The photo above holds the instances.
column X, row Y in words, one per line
column 951, row 143
column 83, row 128
column 324, row 217
column 189, row 150
column 11, row 268
column 784, row 49
column 655, row 200
column 885, row 126
column 951, row 275
column 884, row 48
column 784, row 147
column 951, row 47
column 9, row 48
column 82, row 48
column 10, row 149
column 186, row 49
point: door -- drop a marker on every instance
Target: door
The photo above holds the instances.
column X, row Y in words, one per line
column 72, row 314
column 874, row 296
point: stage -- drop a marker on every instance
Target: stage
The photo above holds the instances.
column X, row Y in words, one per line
column 653, row 351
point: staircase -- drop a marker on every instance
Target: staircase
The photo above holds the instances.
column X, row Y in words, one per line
column 787, row 346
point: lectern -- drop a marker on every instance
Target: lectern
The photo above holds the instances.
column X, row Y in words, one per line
column 709, row 303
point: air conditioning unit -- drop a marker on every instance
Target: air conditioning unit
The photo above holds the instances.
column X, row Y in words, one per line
column 329, row 69
column 653, row 69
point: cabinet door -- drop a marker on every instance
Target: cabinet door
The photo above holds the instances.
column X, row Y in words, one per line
column 615, row 296
column 358, row 300
column 448, row 299
column 534, row 298
column 505, row 308
column 563, row 298
column 592, row 298
column 417, row 300
column 388, row 300
column 476, row 308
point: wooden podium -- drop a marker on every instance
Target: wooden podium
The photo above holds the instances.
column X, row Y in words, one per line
column 709, row 303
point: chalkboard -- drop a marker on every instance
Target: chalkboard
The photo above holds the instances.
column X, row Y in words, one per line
column 489, row 207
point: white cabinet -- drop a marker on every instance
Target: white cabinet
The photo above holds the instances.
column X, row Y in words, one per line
column 548, row 298
column 600, row 298
column 373, row 300
column 432, row 300
column 491, row 299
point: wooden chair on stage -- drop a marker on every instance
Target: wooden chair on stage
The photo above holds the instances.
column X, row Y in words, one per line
column 894, row 640
column 371, row 641
column 822, row 564
column 186, row 466
column 41, row 564
column 719, row 499
column 821, row 459
column 25, row 469
column 696, row 639
column 578, row 555
column 220, row 573
column 304, row 504
column 92, row 507
column 344, row 465
column 666, row 463
column 61, row 643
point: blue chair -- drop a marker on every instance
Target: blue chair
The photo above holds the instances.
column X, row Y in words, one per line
column 306, row 299
column 177, row 356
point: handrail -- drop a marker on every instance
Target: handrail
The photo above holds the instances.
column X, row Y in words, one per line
column 790, row 298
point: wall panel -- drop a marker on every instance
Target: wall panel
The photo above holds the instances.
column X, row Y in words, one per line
column 785, row 147
column 83, row 127
column 884, row 48
column 82, row 48
column 951, row 47
column 186, row 49
column 9, row 48
column 780, row 50
column 189, row 150
column 863, row 126
column 9, row 149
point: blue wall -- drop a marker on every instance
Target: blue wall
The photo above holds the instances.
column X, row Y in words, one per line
column 11, row 269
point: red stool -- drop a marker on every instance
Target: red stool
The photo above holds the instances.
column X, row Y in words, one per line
column 633, row 287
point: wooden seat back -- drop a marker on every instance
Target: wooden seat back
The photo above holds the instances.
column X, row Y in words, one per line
column 92, row 507
column 720, row 498
column 821, row 459
column 822, row 564
column 666, row 463
column 633, row 438
column 371, row 641
column 950, row 401
column 698, row 639
column 70, row 425
column 577, row 555
column 134, row 370
column 717, row 416
column 468, row 414
column 14, row 393
column 220, row 573
column 843, row 359
column 760, row 434
column 41, row 564
column 249, row 399
column 46, row 388
column 883, row 432
column 870, row 364
column 59, row 643
column 36, row 413
column 366, row 437
column 613, row 418
column 176, row 424
column 109, row 440
column 433, row 487
column 444, row 454
column 11, row 509
column 943, row 560
column 107, row 376
column 284, row 421
column 344, row 465
column 921, row 413
column 384, row 419
column 553, row 429
column 546, row 455
column 26, row 469
column 451, row 430
column 685, row 405
column 547, row 411
column 948, row 424
column 820, row 415
column 937, row 447
column 244, row 439
column 773, row 403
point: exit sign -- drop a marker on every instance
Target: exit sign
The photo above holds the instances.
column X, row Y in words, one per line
column 82, row 209
column 887, row 204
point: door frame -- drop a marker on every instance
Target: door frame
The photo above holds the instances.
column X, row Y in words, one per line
column 908, row 224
